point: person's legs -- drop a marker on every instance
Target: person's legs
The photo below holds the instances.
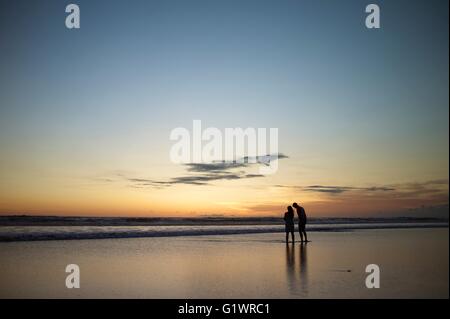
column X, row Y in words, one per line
column 292, row 233
column 287, row 237
column 306, row 237
column 301, row 230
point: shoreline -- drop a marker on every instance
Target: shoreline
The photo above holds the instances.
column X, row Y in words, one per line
column 55, row 233
column 31, row 220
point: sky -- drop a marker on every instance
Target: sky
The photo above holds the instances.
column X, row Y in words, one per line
column 86, row 114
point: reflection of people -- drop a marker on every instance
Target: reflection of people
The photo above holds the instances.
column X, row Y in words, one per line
column 297, row 270
column 291, row 271
column 302, row 258
column 303, row 269
column 301, row 221
column 290, row 256
column 289, row 223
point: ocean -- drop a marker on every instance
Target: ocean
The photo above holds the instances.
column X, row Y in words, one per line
column 31, row 228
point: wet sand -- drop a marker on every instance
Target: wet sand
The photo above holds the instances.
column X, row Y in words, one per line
column 413, row 263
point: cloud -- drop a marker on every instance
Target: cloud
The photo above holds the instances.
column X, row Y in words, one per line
column 342, row 189
column 425, row 198
column 205, row 173
column 400, row 190
column 226, row 166
column 213, row 167
column 203, row 179
column 265, row 159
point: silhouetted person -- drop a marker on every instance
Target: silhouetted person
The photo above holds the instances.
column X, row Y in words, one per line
column 289, row 223
column 301, row 221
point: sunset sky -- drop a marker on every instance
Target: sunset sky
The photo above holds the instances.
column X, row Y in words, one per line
column 86, row 115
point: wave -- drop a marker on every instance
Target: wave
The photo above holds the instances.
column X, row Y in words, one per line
column 38, row 233
column 24, row 220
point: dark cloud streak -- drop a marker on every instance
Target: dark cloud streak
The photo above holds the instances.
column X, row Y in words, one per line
column 397, row 190
column 205, row 173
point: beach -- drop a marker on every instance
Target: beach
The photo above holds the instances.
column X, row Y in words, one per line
column 413, row 264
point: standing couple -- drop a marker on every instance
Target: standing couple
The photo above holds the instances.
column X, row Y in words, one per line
column 289, row 222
